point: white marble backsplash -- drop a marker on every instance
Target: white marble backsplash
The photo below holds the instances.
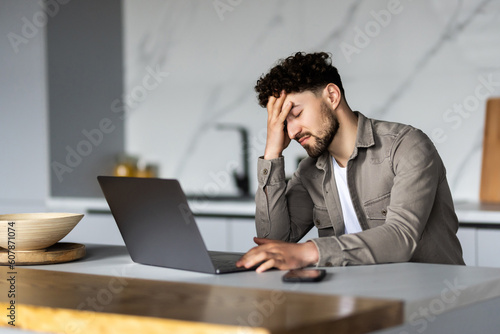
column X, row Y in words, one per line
column 190, row 65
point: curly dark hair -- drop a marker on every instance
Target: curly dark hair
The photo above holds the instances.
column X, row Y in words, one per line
column 298, row 73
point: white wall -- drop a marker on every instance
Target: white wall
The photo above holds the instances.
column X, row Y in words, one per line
column 430, row 57
column 413, row 67
column 23, row 108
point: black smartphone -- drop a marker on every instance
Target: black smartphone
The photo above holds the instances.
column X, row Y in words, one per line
column 304, row 275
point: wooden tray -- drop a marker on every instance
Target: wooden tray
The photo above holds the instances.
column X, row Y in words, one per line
column 57, row 253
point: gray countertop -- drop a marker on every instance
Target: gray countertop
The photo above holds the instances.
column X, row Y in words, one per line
column 476, row 212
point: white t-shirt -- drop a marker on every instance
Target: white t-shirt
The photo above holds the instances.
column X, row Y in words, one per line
column 350, row 219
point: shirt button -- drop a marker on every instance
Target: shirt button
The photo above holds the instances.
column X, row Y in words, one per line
column 317, row 221
column 384, row 212
column 265, row 171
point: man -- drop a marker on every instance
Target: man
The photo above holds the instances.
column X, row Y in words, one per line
column 376, row 190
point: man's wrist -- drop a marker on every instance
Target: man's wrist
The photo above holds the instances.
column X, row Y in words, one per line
column 271, row 156
column 311, row 254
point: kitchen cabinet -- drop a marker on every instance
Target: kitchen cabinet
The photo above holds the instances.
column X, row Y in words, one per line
column 95, row 228
column 241, row 232
column 480, row 246
column 219, row 233
column 479, row 233
column 214, row 231
column 100, row 228
column 488, row 247
column 85, row 85
column 467, row 237
column 231, row 234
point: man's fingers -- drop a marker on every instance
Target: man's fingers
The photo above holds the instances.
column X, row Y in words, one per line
column 270, row 103
column 261, row 241
column 278, row 254
column 266, row 265
column 275, row 105
column 285, row 110
column 253, row 257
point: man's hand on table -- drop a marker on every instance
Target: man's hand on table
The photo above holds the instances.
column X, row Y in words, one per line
column 279, row 254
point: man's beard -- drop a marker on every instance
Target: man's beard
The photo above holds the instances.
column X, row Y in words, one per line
column 325, row 136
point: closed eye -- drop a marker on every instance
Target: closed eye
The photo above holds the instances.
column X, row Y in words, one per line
column 296, row 110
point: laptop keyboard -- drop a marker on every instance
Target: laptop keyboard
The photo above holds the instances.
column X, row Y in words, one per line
column 225, row 262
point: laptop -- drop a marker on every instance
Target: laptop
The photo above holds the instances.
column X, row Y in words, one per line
column 158, row 227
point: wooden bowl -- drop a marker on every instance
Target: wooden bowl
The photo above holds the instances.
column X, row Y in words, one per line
column 31, row 231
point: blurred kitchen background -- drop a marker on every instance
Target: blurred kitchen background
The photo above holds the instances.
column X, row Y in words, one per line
column 170, row 83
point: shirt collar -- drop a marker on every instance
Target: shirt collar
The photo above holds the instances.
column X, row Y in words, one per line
column 364, row 138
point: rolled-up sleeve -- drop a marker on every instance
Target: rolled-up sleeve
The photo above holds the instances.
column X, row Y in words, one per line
column 283, row 211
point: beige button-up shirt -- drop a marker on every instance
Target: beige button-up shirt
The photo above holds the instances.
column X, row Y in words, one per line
column 399, row 191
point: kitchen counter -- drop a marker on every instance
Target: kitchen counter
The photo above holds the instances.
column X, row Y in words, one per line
column 427, row 290
column 478, row 214
column 469, row 213
column 237, row 208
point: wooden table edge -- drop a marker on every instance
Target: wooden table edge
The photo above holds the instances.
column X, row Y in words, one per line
column 62, row 320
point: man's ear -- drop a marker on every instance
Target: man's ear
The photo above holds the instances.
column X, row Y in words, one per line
column 333, row 95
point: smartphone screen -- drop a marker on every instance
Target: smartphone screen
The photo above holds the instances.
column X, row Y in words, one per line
column 304, row 275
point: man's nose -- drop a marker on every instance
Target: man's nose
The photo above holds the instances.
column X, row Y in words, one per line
column 293, row 128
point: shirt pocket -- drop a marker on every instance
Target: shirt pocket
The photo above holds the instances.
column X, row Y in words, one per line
column 321, row 218
column 376, row 210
